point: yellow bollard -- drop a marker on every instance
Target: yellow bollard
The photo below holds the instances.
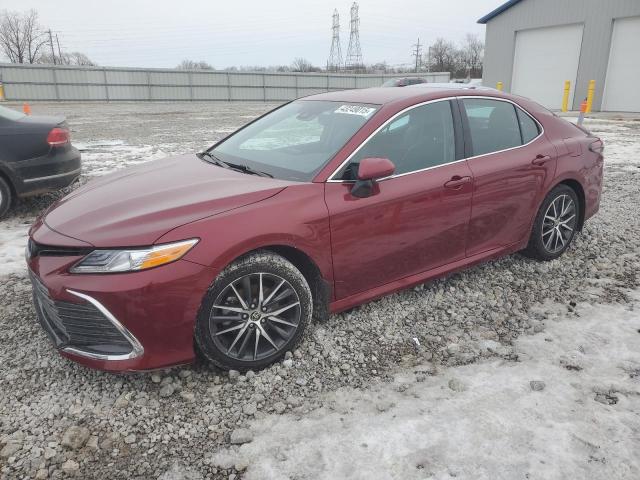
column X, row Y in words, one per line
column 590, row 93
column 565, row 96
column 2, row 99
column 499, row 86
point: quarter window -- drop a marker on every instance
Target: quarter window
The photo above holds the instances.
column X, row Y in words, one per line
column 528, row 126
column 421, row 138
column 493, row 124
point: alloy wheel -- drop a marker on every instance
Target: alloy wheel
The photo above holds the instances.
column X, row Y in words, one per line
column 255, row 316
column 559, row 223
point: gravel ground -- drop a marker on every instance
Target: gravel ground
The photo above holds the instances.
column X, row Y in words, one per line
column 58, row 419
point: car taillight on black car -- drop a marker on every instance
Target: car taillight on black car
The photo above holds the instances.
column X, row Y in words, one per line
column 58, row 136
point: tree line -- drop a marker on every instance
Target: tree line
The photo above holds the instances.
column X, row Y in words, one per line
column 460, row 60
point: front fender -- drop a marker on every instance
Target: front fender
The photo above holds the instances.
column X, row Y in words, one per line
column 296, row 218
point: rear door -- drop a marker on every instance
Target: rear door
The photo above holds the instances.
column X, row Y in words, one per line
column 512, row 164
column 416, row 219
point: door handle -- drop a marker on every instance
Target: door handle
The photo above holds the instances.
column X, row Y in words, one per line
column 457, row 182
column 540, row 159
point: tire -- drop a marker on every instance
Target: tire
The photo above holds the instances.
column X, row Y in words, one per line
column 555, row 224
column 5, row 197
column 247, row 337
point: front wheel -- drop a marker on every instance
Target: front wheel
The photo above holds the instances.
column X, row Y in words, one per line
column 555, row 224
column 254, row 312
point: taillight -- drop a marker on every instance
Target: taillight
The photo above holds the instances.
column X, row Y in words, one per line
column 58, row 136
column 597, row 146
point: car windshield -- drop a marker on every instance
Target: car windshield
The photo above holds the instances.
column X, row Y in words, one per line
column 391, row 83
column 295, row 141
column 10, row 114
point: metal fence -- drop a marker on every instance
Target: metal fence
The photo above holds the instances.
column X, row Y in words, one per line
column 48, row 82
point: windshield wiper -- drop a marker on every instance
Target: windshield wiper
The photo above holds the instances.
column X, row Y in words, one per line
column 234, row 166
column 213, row 159
column 249, row 170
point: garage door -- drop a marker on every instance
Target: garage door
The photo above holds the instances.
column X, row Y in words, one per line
column 544, row 59
column 621, row 93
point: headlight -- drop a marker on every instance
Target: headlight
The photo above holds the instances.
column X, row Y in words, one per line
column 111, row 261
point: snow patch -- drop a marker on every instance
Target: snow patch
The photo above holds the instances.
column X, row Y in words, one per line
column 13, row 240
column 580, row 420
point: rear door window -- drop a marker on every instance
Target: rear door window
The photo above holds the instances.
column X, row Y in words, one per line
column 493, row 125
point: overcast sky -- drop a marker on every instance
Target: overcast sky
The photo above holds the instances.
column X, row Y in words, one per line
column 147, row 33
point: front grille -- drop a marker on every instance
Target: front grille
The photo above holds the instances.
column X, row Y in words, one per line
column 77, row 325
column 35, row 249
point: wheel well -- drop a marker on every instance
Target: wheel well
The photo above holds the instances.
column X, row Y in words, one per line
column 320, row 288
column 576, row 187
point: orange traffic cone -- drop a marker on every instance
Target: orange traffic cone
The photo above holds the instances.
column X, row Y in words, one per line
column 26, row 108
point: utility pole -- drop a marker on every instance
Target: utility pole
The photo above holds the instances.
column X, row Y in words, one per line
column 53, row 53
column 417, row 53
column 59, row 52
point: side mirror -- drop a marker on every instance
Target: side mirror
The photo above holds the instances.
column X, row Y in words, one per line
column 369, row 170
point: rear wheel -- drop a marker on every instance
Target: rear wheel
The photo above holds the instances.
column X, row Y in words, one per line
column 255, row 311
column 555, row 224
column 5, row 197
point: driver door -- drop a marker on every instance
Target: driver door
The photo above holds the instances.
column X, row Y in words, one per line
column 415, row 220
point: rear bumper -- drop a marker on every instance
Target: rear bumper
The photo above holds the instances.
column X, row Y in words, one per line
column 58, row 169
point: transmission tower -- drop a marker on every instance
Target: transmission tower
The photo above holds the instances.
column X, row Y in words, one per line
column 354, row 54
column 335, row 56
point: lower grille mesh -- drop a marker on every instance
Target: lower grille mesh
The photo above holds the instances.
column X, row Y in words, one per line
column 77, row 325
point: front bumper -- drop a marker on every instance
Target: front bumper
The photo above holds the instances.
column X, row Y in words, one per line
column 121, row 322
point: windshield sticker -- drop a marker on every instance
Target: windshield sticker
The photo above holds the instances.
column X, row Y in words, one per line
column 355, row 110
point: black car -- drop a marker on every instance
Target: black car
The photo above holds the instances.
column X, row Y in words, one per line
column 404, row 82
column 36, row 156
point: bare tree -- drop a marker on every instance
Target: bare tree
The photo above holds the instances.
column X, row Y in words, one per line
column 441, row 56
column 79, row 58
column 302, row 65
column 21, row 36
column 193, row 65
column 73, row 58
column 473, row 55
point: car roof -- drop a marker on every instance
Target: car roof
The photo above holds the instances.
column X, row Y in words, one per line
column 452, row 86
column 419, row 92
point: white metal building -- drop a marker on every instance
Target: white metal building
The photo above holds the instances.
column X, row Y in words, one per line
column 533, row 46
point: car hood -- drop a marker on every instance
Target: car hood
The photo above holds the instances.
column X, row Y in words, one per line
column 136, row 206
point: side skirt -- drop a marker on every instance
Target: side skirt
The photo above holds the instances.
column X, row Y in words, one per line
column 419, row 278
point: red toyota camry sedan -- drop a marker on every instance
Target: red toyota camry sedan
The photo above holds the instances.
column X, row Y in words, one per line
column 318, row 206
